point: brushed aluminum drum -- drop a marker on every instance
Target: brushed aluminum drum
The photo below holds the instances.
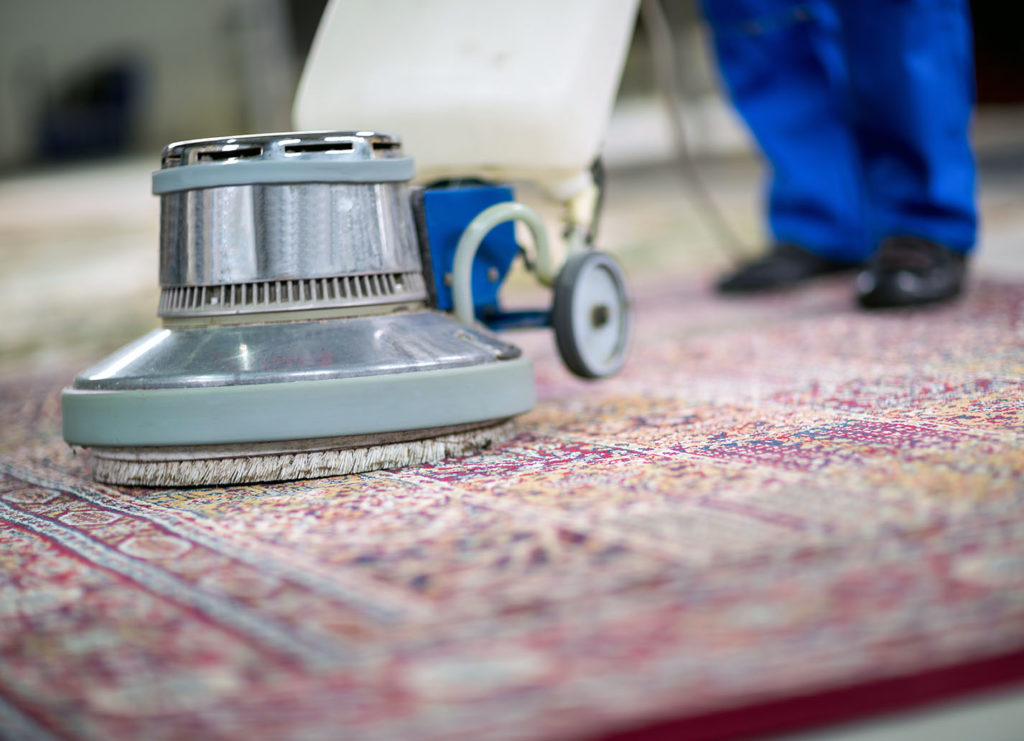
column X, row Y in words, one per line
column 338, row 233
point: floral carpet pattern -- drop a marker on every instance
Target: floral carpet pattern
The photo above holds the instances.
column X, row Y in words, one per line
column 777, row 497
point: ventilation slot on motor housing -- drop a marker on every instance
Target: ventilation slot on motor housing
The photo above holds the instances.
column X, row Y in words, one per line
column 321, row 147
column 286, row 295
column 241, row 153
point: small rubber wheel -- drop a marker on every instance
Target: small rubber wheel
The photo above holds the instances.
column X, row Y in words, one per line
column 591, row 315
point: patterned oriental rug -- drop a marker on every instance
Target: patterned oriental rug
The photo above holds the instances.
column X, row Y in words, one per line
column 784, row 512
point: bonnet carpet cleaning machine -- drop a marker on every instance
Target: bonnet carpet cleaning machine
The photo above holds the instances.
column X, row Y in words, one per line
column 323, row 316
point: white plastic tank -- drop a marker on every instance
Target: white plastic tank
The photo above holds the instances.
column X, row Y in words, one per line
column 501, row 89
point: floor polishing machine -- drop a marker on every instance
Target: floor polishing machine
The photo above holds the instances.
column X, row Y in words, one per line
column 325, row 314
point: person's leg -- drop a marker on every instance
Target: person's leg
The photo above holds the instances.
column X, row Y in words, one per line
column 912, row 90
column 782, row 64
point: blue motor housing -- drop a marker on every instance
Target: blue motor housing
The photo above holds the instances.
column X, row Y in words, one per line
column 442, row 215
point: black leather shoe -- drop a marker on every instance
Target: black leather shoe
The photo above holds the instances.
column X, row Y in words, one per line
column 909, row 271
column 784, row 266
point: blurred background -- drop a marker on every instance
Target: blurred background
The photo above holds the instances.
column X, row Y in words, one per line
column 91, row 92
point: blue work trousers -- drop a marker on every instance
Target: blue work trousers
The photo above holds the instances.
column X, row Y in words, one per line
column 862, row 109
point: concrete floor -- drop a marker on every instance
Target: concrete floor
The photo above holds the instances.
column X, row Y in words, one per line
column 996, row 716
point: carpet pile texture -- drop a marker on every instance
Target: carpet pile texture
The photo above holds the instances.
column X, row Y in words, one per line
column 779, row 498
